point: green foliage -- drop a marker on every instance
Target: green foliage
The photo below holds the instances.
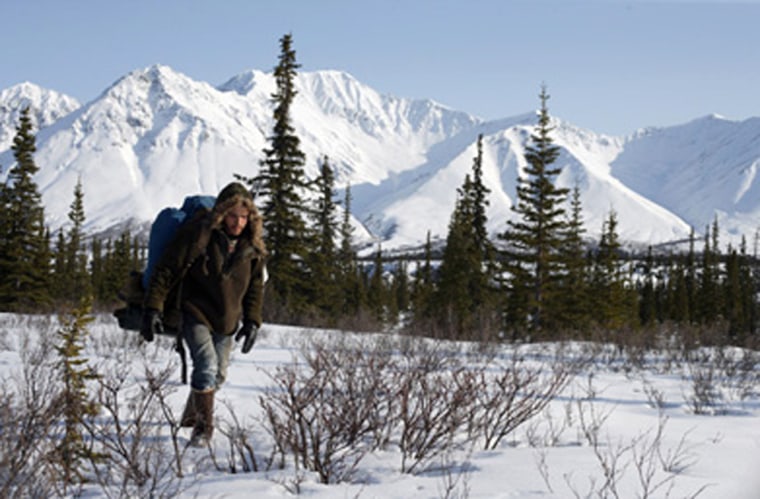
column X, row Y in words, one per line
column 71, row 277
column 462, row 292
column 282, row 183
column 24, row 242
column 422, row 285
column 352, row 291
column 533, row 255
column 377, row 298
column 574, row 310
column 614, row 302
column 324, row 284
column 73, row 450
column 111, row 263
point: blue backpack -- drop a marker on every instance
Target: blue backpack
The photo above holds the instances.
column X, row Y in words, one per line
column 165, row 226
column 162, row 231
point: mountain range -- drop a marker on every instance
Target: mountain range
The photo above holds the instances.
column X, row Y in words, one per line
column 156, row 135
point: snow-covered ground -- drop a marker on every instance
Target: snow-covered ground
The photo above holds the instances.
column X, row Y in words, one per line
column 615, row 430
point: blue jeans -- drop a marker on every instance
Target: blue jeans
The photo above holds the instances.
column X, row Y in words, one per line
column 210, row 353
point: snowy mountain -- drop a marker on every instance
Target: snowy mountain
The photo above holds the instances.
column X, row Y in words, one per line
column 46, row 106
column 156, row 135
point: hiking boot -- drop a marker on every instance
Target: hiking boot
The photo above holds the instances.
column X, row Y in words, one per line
column 204, row 423
column 189, row 415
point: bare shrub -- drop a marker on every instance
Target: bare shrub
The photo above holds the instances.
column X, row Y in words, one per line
column 433, row 406
column 656, row 468
column 655, row 396
column 514, row 395
column 28, row 425
column 138, row 463
column 241, row 448
column 329, row 412
column 548, row 431
column 455, row 478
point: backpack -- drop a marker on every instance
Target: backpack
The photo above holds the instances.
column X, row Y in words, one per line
column 162, row 232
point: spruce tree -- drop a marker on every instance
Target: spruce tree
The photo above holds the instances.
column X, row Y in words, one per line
column 454, row 302
column 484, row 264
column 615, row 303
column 75, row 402
column 283, row 184
column 532, row 257
column 77, row 256
column 423, row 286
column 574, row 311
column 401, row 286
column 376, row 290
column 478, row 193
column 708, row 295
column 325, row 292
column 463, row 297
column 71, row 275
column 24, row 245
column 60, row 279
column 352, row 292
column 648, row 298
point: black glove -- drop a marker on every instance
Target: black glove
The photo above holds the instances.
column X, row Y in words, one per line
column 152, row 324
column 248, row 330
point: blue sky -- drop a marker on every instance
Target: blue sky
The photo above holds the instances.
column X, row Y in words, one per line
column 611, row 66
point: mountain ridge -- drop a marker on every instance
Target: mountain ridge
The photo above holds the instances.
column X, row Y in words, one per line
column 156, row 135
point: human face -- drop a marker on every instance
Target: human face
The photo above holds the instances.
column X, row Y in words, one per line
column 235, row 220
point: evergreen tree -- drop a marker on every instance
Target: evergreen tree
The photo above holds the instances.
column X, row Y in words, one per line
column 401, row 286
column 478, row 193
column 283, row 184
column 708, row 294
column 60, row 279
column 615, row 303
column 325, row 291
column 462, row 298
column 24, row 245
column 461, row 272
column 732, row 287
column 76, row 404
column 352, row 291
column 423, row 286
column 76, row 278
column 532, row 258
column 738, row 295
column 97, row 265
column 484, row 253
column 690, row 284
column 574, row 297
column 648, row 300
column 117, row 262
column 376, row 292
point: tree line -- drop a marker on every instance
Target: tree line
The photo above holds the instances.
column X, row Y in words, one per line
column 541, row 277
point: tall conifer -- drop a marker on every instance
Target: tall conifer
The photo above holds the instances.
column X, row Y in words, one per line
column 24, row 245
column 532, row 258
column 324, row 269
column 283, row 184
column 574, row 311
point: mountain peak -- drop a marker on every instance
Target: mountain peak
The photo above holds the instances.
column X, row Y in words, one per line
column 156, row 135
column 46, row 107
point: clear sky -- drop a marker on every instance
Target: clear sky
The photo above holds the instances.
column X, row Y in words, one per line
column 611, row 66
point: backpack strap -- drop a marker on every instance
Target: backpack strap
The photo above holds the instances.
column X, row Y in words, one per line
column 179, row 347
column 198, row 251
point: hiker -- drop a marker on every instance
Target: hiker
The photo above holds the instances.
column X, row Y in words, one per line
column 219, row 261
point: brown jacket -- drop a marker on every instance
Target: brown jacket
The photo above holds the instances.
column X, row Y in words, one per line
column 219, row 288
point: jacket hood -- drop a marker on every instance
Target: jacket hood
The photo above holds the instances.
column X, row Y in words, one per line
column 231, row 191
column 233, row 194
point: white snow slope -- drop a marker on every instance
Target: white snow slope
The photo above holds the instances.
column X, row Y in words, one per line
column 156, row 136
